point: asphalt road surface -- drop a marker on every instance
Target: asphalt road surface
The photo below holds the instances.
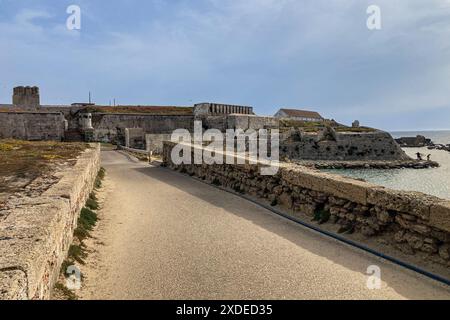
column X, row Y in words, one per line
column 164, row 235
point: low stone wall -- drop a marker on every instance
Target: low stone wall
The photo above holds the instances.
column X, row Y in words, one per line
column 32, row 125
column 409, row 221
column 36, row 231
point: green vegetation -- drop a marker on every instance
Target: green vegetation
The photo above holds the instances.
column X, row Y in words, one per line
column 63, row 291
column 100, row 176
column 307, row 126
column 85, row 224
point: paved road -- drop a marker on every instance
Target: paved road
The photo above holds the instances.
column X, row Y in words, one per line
column 164, row 235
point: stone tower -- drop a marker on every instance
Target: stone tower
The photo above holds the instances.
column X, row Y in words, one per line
column 26, row 97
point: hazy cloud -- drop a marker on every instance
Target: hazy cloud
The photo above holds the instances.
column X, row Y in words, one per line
column 265, row 53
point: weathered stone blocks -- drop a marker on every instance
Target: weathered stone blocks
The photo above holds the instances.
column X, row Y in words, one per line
column 410, row 221
column 37, row 231
column 440, row 215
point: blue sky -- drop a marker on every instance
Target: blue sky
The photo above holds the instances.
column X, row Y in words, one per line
column 315, row 54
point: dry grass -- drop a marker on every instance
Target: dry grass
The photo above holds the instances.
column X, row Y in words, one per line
column 158, row 110
column 307, row 126
column 25, row 160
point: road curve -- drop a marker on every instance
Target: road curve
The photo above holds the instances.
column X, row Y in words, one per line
column 163, row 235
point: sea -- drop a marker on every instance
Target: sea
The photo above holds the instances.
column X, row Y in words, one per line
column 435, row 181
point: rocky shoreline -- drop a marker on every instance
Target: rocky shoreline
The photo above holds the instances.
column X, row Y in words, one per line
column 420, row 142
column 444, row 147
column 400, row 164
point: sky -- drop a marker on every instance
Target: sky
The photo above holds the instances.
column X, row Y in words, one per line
column 306, row 54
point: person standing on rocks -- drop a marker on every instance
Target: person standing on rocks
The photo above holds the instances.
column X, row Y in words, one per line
column 419, row 156
column 429, row 157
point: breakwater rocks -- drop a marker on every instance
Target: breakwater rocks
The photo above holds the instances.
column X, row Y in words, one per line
column 411, row 222
column 444, row 147
column 414, row 142
column 408, row 164
column 420, row 142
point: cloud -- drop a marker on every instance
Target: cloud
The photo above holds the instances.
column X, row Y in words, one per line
column 266, row 53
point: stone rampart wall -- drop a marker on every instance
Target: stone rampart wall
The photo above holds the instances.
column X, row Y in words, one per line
column 377, row 145
column 32, row 125
column 412, row 222
column 106, row 125
column 37, row 231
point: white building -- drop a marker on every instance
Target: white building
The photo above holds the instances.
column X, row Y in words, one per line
column 300, row 115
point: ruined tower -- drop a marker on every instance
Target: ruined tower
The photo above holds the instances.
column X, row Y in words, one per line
column 26, row 97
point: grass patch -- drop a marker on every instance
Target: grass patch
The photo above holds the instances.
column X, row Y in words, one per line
column 92, row 204
column 77, row 253
column 100, row 176
column 311, row 126
column 65, row 292
column 85, row 224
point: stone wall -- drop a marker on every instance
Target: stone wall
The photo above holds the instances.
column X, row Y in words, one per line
column 412, row 222
column 246, row 122
column 36, row 231
column 347, row 146
column 32, row 125
column 134, row 138
column 154, row 142
column 106, row 124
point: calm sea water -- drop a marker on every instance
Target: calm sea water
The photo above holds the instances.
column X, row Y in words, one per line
column 434, row 181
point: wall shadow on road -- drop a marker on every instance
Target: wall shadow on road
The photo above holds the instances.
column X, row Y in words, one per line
column 290, row 231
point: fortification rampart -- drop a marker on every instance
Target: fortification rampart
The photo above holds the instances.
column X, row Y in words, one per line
column 106, row 125
column 412, row 222
column 32, row 125
column 345, row 146
column 36, row 232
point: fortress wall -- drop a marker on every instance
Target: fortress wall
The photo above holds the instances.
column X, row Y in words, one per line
column 32, row 125
column 154, row 142
column 411, row 222
column 36, row 232
column 246, row 122
column 214, row 122
column 106, row 124
column 134, row 138
column 377, row 145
